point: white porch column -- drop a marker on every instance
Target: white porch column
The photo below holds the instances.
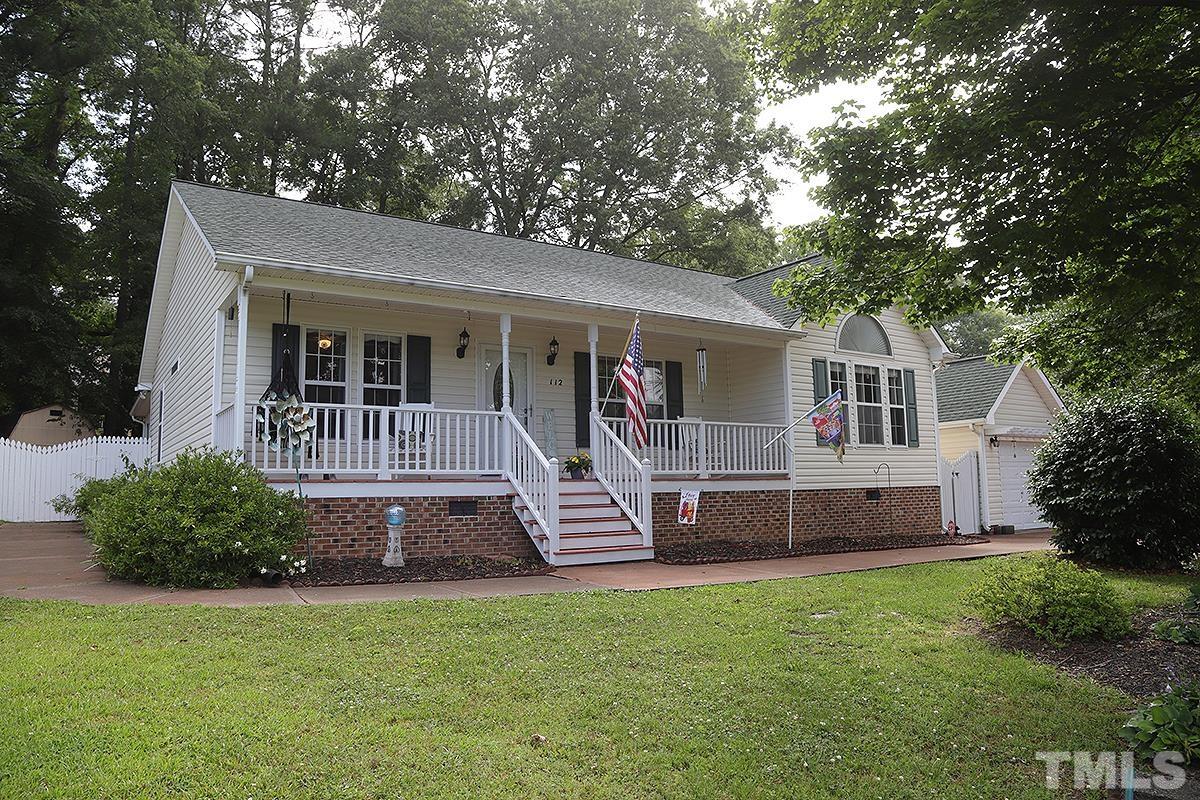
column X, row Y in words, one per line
column 218, row 362
column 593, row 338
column 506, row 371
column 239, row 392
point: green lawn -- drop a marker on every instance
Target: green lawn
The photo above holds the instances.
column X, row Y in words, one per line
column 732, row 691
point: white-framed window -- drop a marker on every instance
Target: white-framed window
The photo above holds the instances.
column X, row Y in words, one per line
column 382, row 369
column 898, row 415
column 875, row 402
column 325, row 365
column 656, row 388
column 868, row 402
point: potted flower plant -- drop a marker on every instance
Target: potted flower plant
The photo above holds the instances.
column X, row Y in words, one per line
column 578, row 465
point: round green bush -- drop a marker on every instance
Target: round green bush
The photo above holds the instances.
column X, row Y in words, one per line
column 207, row 519
column 1053, row 598
column 1119, row 481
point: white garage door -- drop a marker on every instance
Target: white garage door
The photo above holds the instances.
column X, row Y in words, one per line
column 1015, row 460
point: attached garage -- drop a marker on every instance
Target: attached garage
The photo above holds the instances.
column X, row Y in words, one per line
column 997, row 415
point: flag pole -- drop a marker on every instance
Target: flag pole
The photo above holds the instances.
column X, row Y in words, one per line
column 624, row 350
column 799, row 419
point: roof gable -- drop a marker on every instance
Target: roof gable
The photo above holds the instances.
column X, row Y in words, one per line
column 242, row 225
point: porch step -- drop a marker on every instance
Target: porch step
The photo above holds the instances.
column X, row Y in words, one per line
column 592, row 528
column 603, row 555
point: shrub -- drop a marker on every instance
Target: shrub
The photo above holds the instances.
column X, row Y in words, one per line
column 1119, row 480
column 1051, row 597
column 80, row 504
column 206, row 519
column 1170, row 722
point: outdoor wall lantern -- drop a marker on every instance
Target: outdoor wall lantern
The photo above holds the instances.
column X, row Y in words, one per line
column 464, row 339
column 395, row 517
column 994, row 441
column 553, row 354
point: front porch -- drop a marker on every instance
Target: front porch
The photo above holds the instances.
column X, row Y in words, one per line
column 409, row 391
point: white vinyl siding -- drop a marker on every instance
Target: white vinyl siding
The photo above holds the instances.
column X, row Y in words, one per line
column 186, row 360
column 816, row 468
column 751, row 376
column 1024, row 406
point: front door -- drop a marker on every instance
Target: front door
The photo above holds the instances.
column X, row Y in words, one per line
column 520, row 383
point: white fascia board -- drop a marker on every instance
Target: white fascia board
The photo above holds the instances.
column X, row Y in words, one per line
column 991, row 415
column 235, row 262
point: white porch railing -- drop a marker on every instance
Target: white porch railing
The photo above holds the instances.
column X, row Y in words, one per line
column 379, row 441
column 699, row 447
column 624, row 477
column 225, row 434
column 534, row 476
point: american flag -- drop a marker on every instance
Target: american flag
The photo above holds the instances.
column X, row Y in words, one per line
column 633, row 380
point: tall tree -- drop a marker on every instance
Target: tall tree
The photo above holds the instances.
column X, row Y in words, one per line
column 594, row 123
column 48, row 54
column 1041, row 155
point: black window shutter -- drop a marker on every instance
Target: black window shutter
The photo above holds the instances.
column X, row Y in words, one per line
column 674, row 405
column 583, row 399
column 910, row 407
column 820, row 384
column 284, row 337
column 418, row 373
column 674, row 376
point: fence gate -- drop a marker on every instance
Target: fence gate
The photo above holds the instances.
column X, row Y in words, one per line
column 32, row 475
column 960, row 491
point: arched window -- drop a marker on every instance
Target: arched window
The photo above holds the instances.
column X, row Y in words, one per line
column 864, row 335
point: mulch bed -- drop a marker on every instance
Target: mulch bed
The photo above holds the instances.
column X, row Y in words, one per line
column 363, row 571
column 1140, row 664
column 728, row 550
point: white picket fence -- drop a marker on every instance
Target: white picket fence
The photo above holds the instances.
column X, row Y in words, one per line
column 32, row 475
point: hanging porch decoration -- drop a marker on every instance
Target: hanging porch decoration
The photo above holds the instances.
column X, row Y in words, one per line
column 284, row 424
column 701, row 368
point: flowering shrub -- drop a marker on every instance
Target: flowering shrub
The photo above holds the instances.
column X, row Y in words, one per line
column 207, row 519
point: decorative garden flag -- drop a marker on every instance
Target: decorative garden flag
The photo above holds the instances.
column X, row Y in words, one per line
column 689, row 506
column 829, row 419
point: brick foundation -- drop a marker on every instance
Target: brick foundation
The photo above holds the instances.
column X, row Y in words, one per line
column 354, row 526
column 763, row 515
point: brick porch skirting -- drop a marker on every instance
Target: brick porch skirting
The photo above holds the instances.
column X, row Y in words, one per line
column 762, row 515
column 354, row 526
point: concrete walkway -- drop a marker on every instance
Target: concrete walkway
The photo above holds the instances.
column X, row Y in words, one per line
column 52, row 561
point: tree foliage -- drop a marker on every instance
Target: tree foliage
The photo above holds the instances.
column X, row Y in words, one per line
column 974, row 333
column 1040, row 155
column 630, row 130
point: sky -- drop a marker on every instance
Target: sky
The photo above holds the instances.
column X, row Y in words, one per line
column 792, row 205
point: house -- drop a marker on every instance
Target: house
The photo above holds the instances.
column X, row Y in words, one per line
column 1000, row 412
column 451, row 371
column 49, row 425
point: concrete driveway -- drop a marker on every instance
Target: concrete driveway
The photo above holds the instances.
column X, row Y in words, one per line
column 52, row 561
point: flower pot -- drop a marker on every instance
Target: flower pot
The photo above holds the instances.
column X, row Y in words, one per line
column 576, row 474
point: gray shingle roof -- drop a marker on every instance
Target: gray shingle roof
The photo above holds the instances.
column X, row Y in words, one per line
column 253, row 225
column 757, row 289
column 968, row 388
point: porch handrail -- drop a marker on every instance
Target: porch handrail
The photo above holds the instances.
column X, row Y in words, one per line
column 225, row 434
column 624, row 477
column 534, row 477
column 360, row 439
column 701, row 447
